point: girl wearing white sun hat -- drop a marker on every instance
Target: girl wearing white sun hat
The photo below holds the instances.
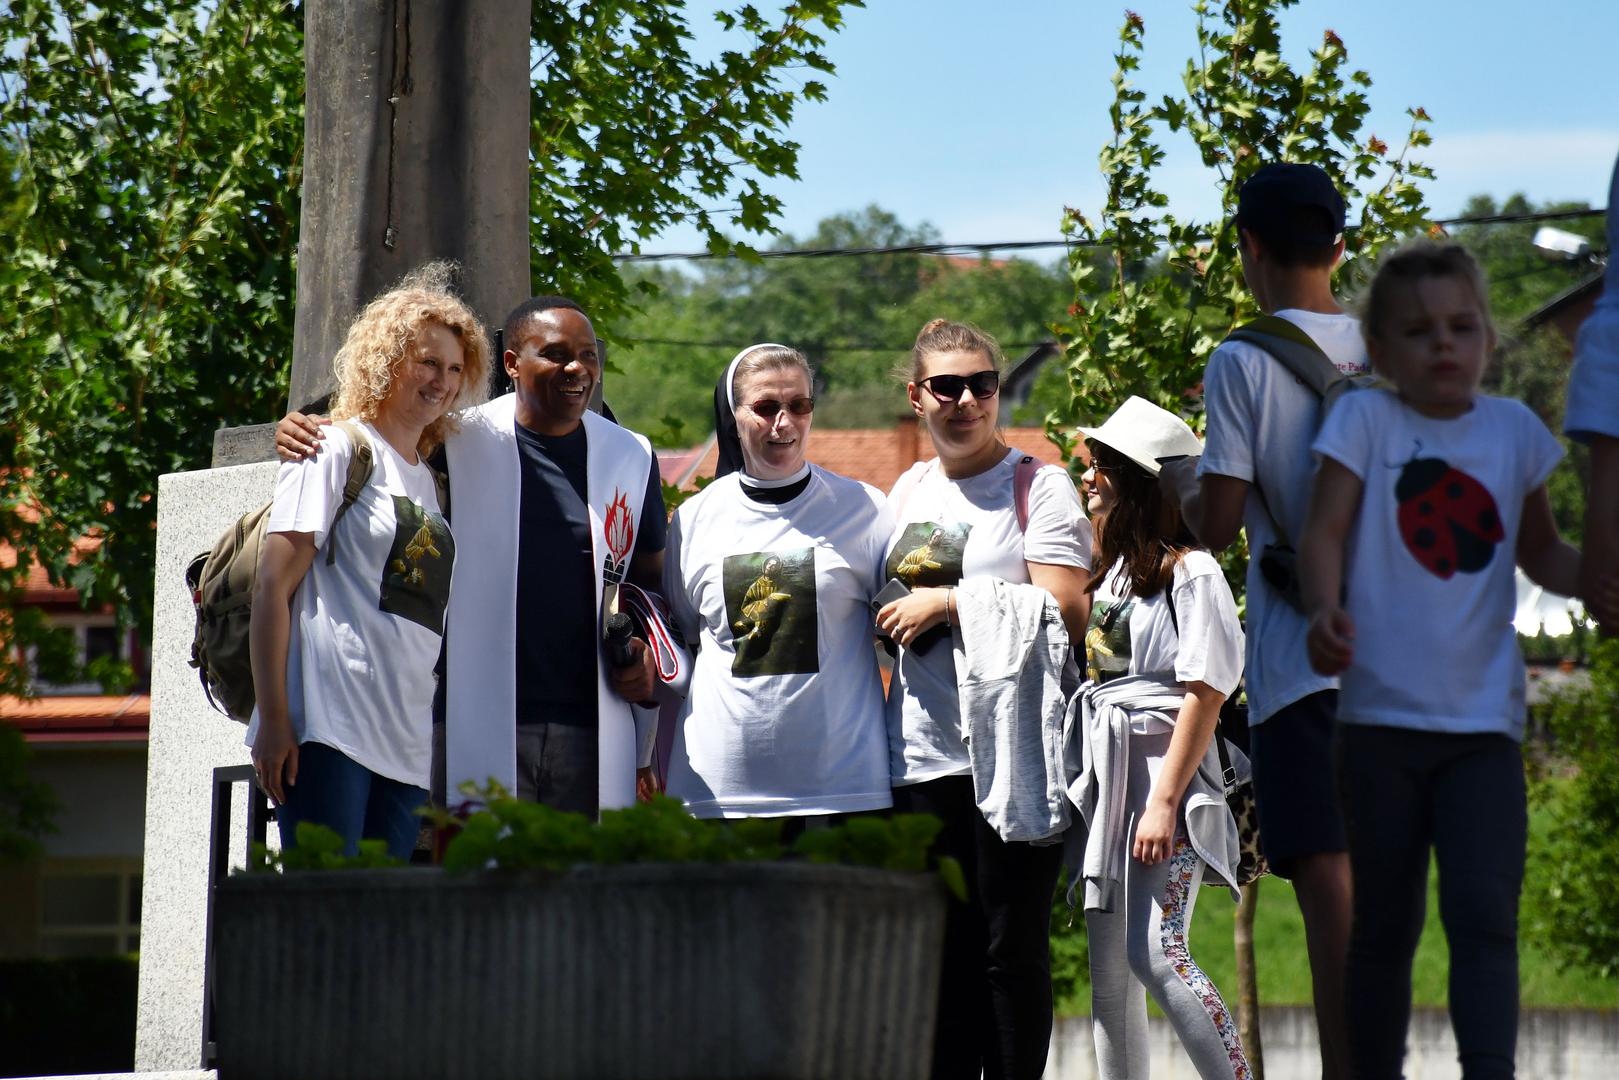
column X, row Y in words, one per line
column 1165, row 625
column 1146, row 434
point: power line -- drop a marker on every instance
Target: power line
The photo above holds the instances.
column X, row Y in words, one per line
column 831, row 346
column 1030, row 245
column 832, row 253
column 1516, row 219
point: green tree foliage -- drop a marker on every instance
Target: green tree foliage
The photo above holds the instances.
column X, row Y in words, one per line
column 1522, row 278
column 1533, row 364
column 632, row 133
column 151, row 155
column 853, row 317
column 151, row 288
column 27, row 805
column 1570, row 884
column 1172, row 288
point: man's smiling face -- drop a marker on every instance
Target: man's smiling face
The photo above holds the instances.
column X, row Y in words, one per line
column 554, row 366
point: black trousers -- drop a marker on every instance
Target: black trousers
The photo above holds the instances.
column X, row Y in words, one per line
column 1403, row 792
column 995, row 993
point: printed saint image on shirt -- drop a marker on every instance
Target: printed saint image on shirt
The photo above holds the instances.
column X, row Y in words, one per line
column 927, row 554
column 770, row 604
column 416, row 575
column 1107, row 641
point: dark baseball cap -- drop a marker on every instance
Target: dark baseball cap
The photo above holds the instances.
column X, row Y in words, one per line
column 1271, row 201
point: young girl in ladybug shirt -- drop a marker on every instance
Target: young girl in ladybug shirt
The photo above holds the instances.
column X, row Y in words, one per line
column 1427, row 496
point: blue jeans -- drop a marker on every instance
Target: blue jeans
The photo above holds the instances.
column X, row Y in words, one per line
column 336, row 791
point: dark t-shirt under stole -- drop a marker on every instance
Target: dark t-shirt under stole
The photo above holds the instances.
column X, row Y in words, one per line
column 556, row 585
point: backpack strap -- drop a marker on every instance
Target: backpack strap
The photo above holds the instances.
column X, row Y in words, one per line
column 1293, row 349
column 1022, row 481
column 360, row 466
column 906, row 485
column 441, row 483
column 1305, row 361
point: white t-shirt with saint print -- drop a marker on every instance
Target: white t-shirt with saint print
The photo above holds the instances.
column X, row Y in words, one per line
column 1200, row 639
column 784, row 714
column 954, row 529
column 1431, row 558
column 366, row 629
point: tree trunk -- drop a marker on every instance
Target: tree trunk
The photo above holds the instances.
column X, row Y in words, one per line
column 1242, row 937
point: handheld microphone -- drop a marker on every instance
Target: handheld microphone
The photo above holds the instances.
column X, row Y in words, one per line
column 619, row 629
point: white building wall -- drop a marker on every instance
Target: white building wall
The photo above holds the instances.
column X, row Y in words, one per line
column 102, row 801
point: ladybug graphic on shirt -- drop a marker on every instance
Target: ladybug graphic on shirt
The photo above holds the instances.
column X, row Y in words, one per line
column 1448, row 520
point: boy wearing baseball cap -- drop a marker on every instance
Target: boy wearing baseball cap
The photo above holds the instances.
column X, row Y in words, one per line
column 1255, row 473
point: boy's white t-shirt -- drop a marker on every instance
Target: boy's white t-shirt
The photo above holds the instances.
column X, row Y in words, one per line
column 366, row 630
column 1200, row 641
column 784, row 715
column 1261, row 422
column 954, row 529
column 1431, row 558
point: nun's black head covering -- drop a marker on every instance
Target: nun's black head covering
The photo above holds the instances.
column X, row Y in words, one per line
column 725, row 433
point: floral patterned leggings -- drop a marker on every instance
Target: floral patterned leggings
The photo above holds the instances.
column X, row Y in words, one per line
column 1141, row 946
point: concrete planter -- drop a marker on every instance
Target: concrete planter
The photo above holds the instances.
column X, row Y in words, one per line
column 662, row 971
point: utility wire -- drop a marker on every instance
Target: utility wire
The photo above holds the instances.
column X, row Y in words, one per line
column 1029, row 245
column 831, row 346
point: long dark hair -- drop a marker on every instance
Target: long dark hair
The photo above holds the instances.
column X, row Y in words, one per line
column 1142, row 529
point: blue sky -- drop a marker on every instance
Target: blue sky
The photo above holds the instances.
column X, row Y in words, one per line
column 984, row 119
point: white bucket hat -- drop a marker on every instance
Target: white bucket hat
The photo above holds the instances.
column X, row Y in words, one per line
column 1145, row 434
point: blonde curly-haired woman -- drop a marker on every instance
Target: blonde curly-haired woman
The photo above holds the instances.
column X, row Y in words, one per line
column 344, row 644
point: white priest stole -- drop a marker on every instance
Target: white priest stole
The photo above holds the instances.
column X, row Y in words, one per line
column 481, row 666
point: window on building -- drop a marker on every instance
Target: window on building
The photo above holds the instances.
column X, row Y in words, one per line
column 101, row 641
column 95, row 636
column 90, row 911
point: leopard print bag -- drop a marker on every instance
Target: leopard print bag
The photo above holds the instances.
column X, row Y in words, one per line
column 1239, row 795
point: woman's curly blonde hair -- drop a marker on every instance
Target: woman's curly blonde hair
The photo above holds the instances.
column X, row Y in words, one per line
column 382, row 334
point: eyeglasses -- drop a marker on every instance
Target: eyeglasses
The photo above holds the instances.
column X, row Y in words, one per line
column 983, row 384
column 769, row 407
column 1106, row 459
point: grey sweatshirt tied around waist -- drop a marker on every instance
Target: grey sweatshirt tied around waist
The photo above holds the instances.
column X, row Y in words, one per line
column 1097, row 754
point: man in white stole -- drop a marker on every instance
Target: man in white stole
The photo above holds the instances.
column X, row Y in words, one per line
column 553, row 384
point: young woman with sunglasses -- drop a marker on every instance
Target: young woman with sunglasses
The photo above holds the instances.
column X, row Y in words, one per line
column 957, row 519
column 768, row 572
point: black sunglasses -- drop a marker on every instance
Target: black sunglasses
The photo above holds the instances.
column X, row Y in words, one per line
column 983, row 384
column 769, row 407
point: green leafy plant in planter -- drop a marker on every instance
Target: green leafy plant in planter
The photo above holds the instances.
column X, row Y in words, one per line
column 320, row 848
column 510, row 834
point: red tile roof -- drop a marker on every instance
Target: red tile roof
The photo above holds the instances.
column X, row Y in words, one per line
column 878, row 456
column 80, row 718
column 38, row 588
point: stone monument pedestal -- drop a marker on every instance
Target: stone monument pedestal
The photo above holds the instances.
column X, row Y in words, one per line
column 189, row 738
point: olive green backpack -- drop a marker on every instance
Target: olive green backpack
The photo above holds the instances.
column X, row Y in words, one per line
column 221, row 583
